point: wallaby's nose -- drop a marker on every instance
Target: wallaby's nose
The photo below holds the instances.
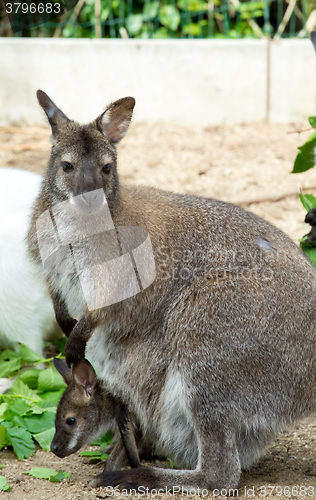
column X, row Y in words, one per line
column 90, row 201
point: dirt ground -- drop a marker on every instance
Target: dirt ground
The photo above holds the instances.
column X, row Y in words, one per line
column 245, row 164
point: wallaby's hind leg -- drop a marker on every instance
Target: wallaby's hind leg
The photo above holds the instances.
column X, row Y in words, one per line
column 218, row 467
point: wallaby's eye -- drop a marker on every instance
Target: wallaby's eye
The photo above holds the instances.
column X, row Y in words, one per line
column 67, row 167
column 71, row 421
column 107, row 168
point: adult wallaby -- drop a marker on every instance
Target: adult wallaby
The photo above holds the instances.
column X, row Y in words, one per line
column 87, row 411
column 218, row 354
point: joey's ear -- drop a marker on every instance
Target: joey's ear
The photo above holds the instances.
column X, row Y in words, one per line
column 84, row 376
column 55, row 116
column 115, row 120
column 313, row 38
column 63, row 369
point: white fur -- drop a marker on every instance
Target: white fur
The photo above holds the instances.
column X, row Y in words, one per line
column 26, row 311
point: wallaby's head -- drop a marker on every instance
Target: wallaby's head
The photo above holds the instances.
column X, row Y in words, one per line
column 85, row 411
column 83, row 157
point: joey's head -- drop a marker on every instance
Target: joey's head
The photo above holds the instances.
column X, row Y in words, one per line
column 85, row 410
column 83, row 157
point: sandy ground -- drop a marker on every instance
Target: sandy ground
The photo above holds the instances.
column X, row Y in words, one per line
column 244, row 164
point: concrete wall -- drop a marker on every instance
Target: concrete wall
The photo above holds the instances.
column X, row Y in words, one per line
column 192, row 82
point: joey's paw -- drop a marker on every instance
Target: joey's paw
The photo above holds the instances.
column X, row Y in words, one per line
column 74, row 350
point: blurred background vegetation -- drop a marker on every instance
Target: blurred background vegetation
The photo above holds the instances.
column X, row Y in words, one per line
column 168, row 19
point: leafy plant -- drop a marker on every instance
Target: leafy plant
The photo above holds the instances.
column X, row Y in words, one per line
column 3, row 484
column 306, row 159
column 50, row 474
column 27, row 411
column 98, row 454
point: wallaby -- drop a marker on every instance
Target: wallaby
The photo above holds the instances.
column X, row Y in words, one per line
column 87, row 411
column 26, row 311
column 218, row 354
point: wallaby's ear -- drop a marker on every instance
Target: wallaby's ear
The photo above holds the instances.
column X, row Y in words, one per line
column 115, row 120
column 313, row 38
column 63, row 369
column 55, row 116
column 84, row 376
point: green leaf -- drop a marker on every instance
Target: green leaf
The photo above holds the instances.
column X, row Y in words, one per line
column 312, row 121
column 10, row 361
column 3, row 440
column 103, row 440
column 151, row 10
column 50, row 380
column 308, row 201
column 310, row 252
column 170, row 463
column 21, row 440
column 3, row 466
column 94, row 455
column 43, row 473
column 306, row 156
column 30, row 356
column 134, row 23
column 3, row 410
column 30, row 377
column 45, row 438
column 169, row 16
column 23, row 391
column 52, row 397
column 59, row 476
column 19, row 407
column 37, row 423
column 3, row 484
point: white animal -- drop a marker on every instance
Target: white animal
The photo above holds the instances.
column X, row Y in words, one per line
column 26, row 310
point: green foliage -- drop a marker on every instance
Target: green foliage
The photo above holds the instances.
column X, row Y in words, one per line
column 304, row 161
column 98, row 455
column 306, row 156
column 50, row 474
column 27, row 411
column 3, row 484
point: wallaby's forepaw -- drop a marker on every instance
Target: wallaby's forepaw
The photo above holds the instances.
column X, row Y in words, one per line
column 311, row 217
column 74, row 350
column 130, row 479
column 68, row 326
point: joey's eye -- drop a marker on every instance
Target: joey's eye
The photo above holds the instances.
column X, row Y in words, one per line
column 67, row 167
column 107, row 168
column 71, row 421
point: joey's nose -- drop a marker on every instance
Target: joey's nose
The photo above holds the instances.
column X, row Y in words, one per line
column 54, row 448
